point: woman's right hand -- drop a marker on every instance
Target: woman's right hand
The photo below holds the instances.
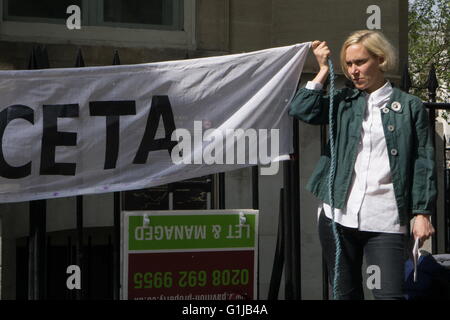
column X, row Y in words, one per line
column 322, row 52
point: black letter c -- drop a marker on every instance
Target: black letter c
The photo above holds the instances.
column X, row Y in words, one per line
column 6, row 116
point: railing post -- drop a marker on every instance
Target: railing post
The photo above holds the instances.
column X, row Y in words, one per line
column 295, row 215
column 288, row 250
column 255, row 188
column 37, row 254
column 278, row 260
column 222, row 190
column 447, row 207
column 432, row 85
column 405, row 83
column 79, row 63
column 117, row 221
column 255, row 205
column 37, row 251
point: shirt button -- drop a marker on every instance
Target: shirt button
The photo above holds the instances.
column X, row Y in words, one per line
column 391, row 128
column 394, row 152
column 385, row 110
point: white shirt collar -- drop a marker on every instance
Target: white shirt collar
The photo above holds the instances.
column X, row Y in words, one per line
column 380, row 96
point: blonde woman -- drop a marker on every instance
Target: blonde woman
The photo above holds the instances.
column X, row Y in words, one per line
column 385, row 168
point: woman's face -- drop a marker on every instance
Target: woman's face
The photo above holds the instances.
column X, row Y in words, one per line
column 363, row 68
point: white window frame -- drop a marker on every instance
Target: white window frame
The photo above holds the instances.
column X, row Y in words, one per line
column 42, row 32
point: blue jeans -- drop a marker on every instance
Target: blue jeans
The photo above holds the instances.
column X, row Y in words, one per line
column 385, row 251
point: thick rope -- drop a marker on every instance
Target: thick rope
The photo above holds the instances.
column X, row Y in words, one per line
column 331, row 185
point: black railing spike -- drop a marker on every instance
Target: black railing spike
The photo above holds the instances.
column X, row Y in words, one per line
column 32, row 63
column 79, row 62
column 432, row 83
column 38, row 58
column 116, row 59
column 405, row 83
column 44, row 54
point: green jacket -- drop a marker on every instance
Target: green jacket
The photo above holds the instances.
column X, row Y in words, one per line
column 408, row 139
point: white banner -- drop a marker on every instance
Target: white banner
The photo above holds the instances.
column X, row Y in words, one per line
column 66, row 132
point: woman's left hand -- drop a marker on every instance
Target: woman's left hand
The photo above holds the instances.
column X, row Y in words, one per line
column 422, row 228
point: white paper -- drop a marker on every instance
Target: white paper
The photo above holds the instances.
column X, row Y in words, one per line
column 416, row 256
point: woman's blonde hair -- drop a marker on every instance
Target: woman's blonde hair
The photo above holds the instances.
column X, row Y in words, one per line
column 375, row 43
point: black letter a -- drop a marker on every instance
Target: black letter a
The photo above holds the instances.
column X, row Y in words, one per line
column 160, row 107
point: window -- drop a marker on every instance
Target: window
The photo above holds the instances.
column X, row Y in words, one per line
column 144, row 14
column 29, row 10
column 43, row 9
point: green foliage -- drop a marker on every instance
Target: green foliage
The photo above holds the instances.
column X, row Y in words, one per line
column 429, row 35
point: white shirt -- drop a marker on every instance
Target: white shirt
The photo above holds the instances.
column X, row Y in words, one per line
column 371, row 204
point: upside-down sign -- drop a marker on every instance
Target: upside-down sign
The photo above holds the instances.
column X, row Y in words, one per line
column 190, row 255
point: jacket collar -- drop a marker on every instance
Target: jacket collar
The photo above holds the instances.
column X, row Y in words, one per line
column 354, row 93
column 394, row 103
